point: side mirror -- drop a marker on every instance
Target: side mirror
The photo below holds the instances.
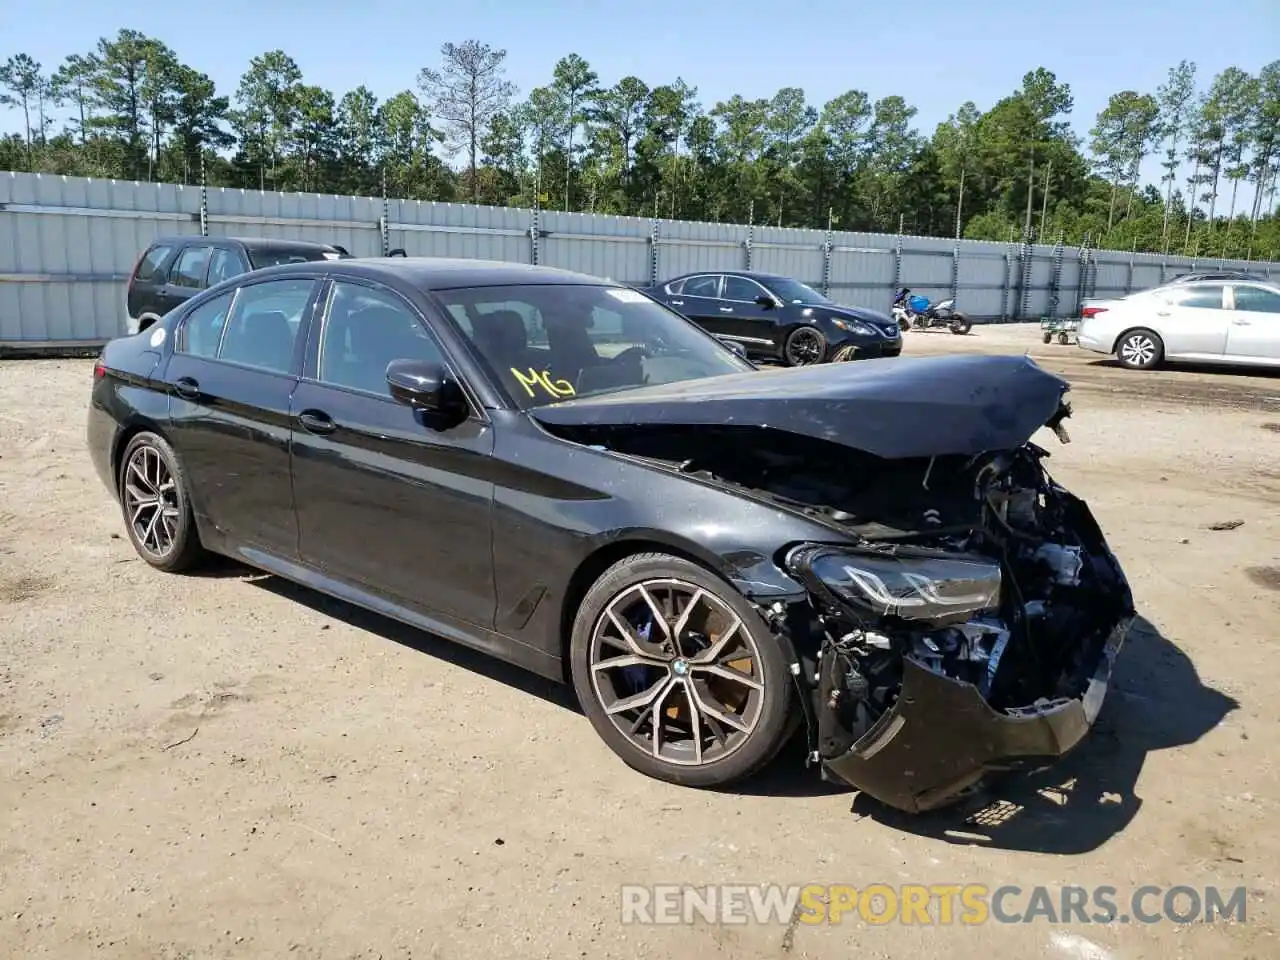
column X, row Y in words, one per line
column 425, row 386
column 766, row 301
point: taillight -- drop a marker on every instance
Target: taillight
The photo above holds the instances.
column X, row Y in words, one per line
column 1088, row 312
column 99, row 369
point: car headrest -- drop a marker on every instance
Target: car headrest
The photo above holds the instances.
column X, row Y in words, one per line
column 501, row 329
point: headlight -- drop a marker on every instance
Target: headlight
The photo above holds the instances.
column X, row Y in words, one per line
column 910, row 584
column 853, row 326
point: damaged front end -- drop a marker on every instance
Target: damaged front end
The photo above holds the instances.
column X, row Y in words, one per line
column 947, row 652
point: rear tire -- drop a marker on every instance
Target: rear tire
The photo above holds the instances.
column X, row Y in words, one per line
column 721, row 695
column 960, row 324
column 156, row 507
column 1140, row 349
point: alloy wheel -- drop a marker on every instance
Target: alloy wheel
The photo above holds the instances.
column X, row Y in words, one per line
column 1138, row 350
column 804, row 347
column 677, row 672
column 151, row 501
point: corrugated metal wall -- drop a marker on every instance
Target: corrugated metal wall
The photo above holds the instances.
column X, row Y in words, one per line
column 67, row 246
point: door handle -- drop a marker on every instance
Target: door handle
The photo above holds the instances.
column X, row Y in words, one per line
column 316, row 421
column 186, row 388
column 677, row 303
column 1241, row 323
column 1162, row 313
column 726, row 309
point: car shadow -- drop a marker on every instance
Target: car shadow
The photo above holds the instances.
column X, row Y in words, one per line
column 786, row 776
column 1156, row 702
column 1226, row 371
column 415, row 639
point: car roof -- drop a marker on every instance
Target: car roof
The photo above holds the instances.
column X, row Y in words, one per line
column 250, row 243
column 440, row 273
column 749, row 274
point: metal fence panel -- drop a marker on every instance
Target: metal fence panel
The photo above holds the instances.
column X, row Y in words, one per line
column 612, row 247
column 351, row 222
column 687, row 247
column 863, row 270
column 790, row 252
column 426, row 229
column 67, row 245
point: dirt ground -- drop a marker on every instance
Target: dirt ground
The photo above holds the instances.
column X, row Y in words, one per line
column 230, row 766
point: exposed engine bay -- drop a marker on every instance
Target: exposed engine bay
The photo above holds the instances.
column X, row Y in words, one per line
column 968, row 626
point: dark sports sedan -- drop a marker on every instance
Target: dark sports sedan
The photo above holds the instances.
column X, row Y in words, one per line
column 559, row 471
column 778, row 318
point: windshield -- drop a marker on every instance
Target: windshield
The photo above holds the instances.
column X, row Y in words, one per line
column 793, row 291
column 549, row 342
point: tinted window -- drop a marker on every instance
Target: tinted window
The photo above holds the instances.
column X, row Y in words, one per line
column 189, row 271
column 203, row 328
column 548, row 342
column 701, row 286
column 1208, row 297
column 366, row 328
column 265, row 323
column 149, row 265
column 1256, row 298
column 739, row 288
column 225, row 264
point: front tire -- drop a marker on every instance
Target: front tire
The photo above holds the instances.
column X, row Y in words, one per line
column 678, row 674
column 156, row 507
column 804, row 347
column 1140, row 349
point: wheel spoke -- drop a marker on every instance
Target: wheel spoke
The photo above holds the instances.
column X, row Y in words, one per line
column 682, row 623
column 695, row 721
column 659, row 617
column 728, row 673
column 628, row 660
column 640, row 700
column 729, row 720
column 712, row 653
column 657, row 716
column 138, row 470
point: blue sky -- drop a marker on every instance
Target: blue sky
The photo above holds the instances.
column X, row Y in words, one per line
column 936, row 54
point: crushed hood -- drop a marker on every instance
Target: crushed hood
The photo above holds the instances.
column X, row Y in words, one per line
column 893, row 408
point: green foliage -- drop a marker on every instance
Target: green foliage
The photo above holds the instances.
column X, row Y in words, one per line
column 131, row 108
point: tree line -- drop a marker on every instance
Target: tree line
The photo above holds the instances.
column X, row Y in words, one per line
column 132, row 109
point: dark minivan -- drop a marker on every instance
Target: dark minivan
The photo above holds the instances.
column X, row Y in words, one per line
column 174, row 269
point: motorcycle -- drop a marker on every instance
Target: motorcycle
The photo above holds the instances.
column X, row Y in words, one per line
column 916, row 311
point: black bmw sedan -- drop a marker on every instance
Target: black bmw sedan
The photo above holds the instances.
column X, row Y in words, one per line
column 778, row 318
column 560, row 471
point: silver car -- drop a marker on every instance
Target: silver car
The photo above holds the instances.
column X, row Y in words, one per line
column 1207, row 321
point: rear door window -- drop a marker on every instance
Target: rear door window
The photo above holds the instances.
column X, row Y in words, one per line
column 1206, row 297
column 191, row 266
column 707, row 286
column 264, row 325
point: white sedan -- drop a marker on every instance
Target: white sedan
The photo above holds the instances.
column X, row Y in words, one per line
column 1217, row 321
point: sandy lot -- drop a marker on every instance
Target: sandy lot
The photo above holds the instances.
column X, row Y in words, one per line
column 230, row 766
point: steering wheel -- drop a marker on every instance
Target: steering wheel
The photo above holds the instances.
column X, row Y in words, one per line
column 632, row 355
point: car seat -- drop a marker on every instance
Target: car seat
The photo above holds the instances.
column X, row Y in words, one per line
column 262, row 339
